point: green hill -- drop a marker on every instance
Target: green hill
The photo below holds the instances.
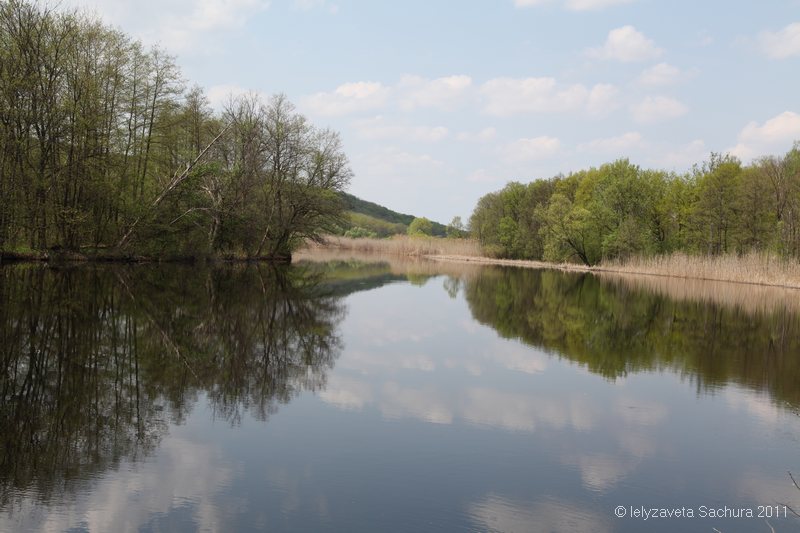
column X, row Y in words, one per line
column 378, row 219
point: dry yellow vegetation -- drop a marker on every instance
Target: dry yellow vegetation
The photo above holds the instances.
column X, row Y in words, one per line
column 754, row 268
column 404, row 245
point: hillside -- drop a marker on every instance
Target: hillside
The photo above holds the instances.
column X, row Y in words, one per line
column 379, row 219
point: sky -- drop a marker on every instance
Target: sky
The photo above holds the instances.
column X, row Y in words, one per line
column 440, row 102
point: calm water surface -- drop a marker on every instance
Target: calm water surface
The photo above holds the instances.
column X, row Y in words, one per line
column 368, row 395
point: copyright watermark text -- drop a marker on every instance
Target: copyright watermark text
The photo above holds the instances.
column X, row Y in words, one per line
column 703, row 511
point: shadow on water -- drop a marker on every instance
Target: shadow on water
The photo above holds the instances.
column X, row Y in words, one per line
column 97, row 362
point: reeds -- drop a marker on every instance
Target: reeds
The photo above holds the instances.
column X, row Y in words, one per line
column 751, row 299
column 754, row 268
column 397, row 264
column 757, row 268
column 404, row 245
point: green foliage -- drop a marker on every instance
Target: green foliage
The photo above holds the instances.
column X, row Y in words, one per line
column 380, row 227
column 619, row 210
column 456, row 229
column 357, row 205
column 379, row 219
column 358, row 232
column 420, row 226
column 100, row 142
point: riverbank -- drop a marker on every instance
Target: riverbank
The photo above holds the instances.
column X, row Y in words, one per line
column 64, row 256
column 752, row 269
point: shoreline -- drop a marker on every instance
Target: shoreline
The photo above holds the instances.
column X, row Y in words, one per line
column 61, row 257
column 657, row 268
column 616, row 270
column 750, row 269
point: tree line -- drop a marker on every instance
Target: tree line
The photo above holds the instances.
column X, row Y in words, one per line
column 104, row 146
column 620, row 210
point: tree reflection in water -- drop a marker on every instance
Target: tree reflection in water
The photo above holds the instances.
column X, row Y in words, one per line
column 614, row 328
column 96, row 361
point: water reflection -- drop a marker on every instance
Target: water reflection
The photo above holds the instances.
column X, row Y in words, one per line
column 496, row 513
column 98, row 362
column 613, row 329
column 441, row 396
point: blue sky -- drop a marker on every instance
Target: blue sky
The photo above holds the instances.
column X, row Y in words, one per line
column 440, row 102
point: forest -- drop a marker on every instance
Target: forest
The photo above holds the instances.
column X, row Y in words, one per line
column 105, row 149
column 620, row 210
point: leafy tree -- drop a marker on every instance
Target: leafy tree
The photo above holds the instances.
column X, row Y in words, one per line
column 619, row 210
column 359, row 233
column 715, row 211
column 420, row 226
column 456, row 228
column 102, row 146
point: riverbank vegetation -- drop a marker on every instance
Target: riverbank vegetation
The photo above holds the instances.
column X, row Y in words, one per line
column 620, row 211
column 106, row 151
column 402, row 245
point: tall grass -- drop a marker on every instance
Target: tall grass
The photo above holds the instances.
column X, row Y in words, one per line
column 755, row 268
column 404, row 245
column 397, row 264
column 749, row 298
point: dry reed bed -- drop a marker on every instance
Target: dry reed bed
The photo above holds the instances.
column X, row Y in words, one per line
column 754, row 268
column 398, row 264
column 752, row 299
column 404, row 245
column 755, row 283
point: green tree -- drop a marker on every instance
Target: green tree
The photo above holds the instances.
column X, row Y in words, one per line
column 716, row 208
column 456, row 228
column 420, row 226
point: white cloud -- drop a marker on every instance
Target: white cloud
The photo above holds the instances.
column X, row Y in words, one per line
column 181, row 26
column 499, row 513
column 485, row 135
column 661, row 74
column 347, row 393
column 394, row 166
column 348, row 98
column 411, row 92
column 600, row 472
column 218, row 95
column 575, row 5
column 618, row 145
column 602, row 99
column 182, row 473
column 776, row 134
column 657, row 109
column 534, row 148
column 424, row 404
column 442, row 93
column 782, row 43
column 509, row 96
column 378, row 128
column 626, row 44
